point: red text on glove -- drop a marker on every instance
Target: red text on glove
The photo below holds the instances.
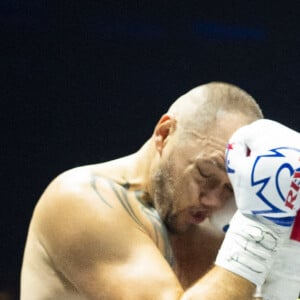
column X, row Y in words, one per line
column 293, row 192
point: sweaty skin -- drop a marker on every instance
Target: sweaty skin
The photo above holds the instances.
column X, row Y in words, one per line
column 97, row 232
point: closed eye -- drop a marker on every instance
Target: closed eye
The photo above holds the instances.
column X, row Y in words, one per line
column 203, row 173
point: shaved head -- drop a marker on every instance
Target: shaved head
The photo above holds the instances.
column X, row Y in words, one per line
column 202, row 106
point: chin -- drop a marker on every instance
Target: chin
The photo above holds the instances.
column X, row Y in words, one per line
column 175, row 227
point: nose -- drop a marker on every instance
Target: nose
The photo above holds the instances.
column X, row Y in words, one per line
column 212, row 199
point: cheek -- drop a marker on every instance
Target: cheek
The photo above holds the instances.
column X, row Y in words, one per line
column 185, row 187
column 188, row 194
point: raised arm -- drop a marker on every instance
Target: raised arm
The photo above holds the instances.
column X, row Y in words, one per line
column 263, row 165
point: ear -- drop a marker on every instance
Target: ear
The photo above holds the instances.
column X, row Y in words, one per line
column 163, row 129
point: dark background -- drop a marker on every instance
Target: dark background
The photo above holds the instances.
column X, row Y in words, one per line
column 85, row 81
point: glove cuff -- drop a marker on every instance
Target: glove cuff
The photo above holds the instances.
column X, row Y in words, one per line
column 250, row 246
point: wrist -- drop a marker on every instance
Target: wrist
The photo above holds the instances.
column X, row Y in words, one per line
column 250, row 246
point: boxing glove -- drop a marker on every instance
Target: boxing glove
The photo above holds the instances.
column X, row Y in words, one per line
column 263, row 164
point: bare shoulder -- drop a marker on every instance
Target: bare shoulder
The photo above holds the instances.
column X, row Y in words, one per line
column 78, row 204
column 95, row 231
column 81, row 207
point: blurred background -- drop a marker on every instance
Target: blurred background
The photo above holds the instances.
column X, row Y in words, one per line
column 85, row 81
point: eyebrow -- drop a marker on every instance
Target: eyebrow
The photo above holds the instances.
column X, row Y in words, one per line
column 215, row 163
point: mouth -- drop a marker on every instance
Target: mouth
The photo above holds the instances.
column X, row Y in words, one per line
column 198, row 217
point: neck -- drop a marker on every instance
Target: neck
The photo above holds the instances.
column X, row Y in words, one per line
column 136, row 172
column 138, row 167
column 132, row 171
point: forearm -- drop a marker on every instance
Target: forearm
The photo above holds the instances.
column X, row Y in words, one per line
column 221, row 284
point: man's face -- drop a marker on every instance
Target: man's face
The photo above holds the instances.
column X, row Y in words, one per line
column 191, row 182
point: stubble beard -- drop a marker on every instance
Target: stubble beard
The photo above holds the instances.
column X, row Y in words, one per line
column 163, row 199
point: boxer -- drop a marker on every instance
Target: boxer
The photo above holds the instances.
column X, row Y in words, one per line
column 133, row 228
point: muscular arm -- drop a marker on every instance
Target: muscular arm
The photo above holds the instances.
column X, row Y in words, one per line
column 197, row 260
column 220, row 284
column 105, row 254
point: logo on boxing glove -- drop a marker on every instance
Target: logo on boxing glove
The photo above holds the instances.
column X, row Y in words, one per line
column 277, row 177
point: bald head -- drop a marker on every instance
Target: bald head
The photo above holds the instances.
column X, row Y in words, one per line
column 202, row 106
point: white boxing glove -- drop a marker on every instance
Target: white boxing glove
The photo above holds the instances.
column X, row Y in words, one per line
column 263, row 164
